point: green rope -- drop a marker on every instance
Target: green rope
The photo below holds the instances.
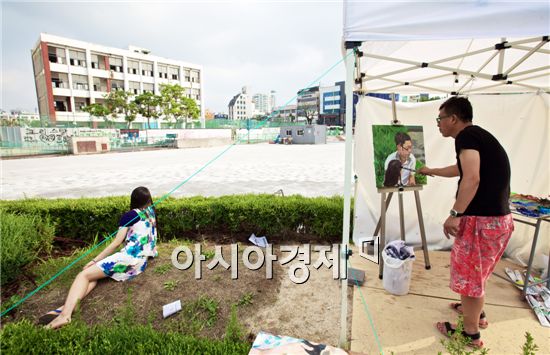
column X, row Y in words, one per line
column 165, row 195
column 381, row 350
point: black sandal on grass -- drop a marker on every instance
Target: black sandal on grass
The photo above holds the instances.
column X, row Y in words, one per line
column 447, row 329
column 48, row 317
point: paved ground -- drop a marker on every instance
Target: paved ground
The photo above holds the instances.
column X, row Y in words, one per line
column 309, row 170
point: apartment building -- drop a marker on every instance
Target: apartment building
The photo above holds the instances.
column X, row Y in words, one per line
column 263, row 103
column 70, row 74
column 241, row 106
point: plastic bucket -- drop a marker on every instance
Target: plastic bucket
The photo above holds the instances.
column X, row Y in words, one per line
column 397, row 274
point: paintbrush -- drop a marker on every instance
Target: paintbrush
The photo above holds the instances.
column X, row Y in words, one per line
column 414, row 171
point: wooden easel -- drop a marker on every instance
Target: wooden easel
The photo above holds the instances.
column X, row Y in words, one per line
column 381, row 226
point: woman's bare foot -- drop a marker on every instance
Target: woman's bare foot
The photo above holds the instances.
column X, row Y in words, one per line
column 58, row 322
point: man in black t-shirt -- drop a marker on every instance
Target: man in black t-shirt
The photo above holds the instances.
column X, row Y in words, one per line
column 480, row 219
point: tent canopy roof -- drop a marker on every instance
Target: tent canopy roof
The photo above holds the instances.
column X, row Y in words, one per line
column 478, row 46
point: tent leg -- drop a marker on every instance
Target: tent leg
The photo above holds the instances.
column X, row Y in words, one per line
column 350, row 68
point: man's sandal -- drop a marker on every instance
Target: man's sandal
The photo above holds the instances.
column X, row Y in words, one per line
column 483, row 323
column 447, row 329
column 49, row 317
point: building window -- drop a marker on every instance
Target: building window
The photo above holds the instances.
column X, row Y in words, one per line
column 174, row 73
column 80, row 82
column 77, row 58
column 98, row 61
column 80, row 103
column 300, row 132
column 146, row 69
column 60, row 106
column 56, row 55
column 134, row 87
column 148, row 88
column 60, row 80
column 133, row 67
column 117, row 85
column 100, row 84
column 163, row 71
column 115, row 64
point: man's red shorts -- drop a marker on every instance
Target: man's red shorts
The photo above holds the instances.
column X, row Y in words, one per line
column 479, row 244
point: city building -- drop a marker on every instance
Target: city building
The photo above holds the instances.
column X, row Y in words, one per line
column 308, row 104
column 332, row 104
column 285, row 113
column 71, row 74
column 241, row 106
column 325, row 105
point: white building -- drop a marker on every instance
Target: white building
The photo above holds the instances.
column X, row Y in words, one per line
column 71, row 74
column 241, row 106
column 264, row 103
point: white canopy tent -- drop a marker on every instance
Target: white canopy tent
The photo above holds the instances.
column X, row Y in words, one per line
column 446, row 47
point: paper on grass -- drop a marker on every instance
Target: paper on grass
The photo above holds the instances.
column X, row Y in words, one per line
column 259, row 241
column 171, row 308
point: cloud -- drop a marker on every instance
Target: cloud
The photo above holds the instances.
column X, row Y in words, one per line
column 282, row 46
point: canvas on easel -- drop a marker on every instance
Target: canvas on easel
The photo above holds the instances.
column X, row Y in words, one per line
column 398, row 154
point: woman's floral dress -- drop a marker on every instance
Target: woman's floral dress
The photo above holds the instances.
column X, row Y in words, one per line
column 141, row 241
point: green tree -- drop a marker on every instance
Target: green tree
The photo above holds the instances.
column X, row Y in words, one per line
column 175, row 105
column 119, row 103
column 148, row 106
column 100, row 111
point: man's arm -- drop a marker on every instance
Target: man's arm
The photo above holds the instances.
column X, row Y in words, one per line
column 470, row 161
column 448, row 171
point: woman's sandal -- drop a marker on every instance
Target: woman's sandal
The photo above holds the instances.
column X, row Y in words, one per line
column 49, row 317
column 447, row 329
column 483, row 323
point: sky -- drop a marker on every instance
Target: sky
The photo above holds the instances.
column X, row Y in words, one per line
column 270, row 45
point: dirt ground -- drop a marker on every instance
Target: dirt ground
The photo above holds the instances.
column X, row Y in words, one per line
column 279, row 306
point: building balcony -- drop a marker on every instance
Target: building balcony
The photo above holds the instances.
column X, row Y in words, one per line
column 60, row 84
column 61, row 68
column 81, row 86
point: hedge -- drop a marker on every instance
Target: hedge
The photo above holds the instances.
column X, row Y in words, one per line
column 24, row 338
column 279, row 218
column 23, row 238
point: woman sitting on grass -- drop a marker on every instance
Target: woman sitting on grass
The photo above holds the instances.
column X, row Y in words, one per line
column 138, row 229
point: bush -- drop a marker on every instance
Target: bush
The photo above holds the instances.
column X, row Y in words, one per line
column 282, row 218
column 24, row 338
column 23, row 237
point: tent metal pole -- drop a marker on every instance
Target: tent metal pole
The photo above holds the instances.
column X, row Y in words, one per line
column 525, row 48
column 531, row 77
column 501, row 58
column 390, row 73
column 433, row 66
column 511, row 75
column 527, row 55
column 468, row 54
column 350, row 67
column 479, row 70
column 527, row 40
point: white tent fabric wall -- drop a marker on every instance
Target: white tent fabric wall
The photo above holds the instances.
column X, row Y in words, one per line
column 521, row 122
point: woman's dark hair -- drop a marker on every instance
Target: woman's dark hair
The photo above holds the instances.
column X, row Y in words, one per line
column 140, row 198
column 459, row 106
column 392, row 176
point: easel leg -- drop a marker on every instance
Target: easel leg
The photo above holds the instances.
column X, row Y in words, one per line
column 382, row 235
column 422, row 230
column 401, row 218
column 377, row 229
column 531, row 257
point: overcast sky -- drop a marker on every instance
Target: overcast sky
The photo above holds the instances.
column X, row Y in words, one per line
column 282, row 46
